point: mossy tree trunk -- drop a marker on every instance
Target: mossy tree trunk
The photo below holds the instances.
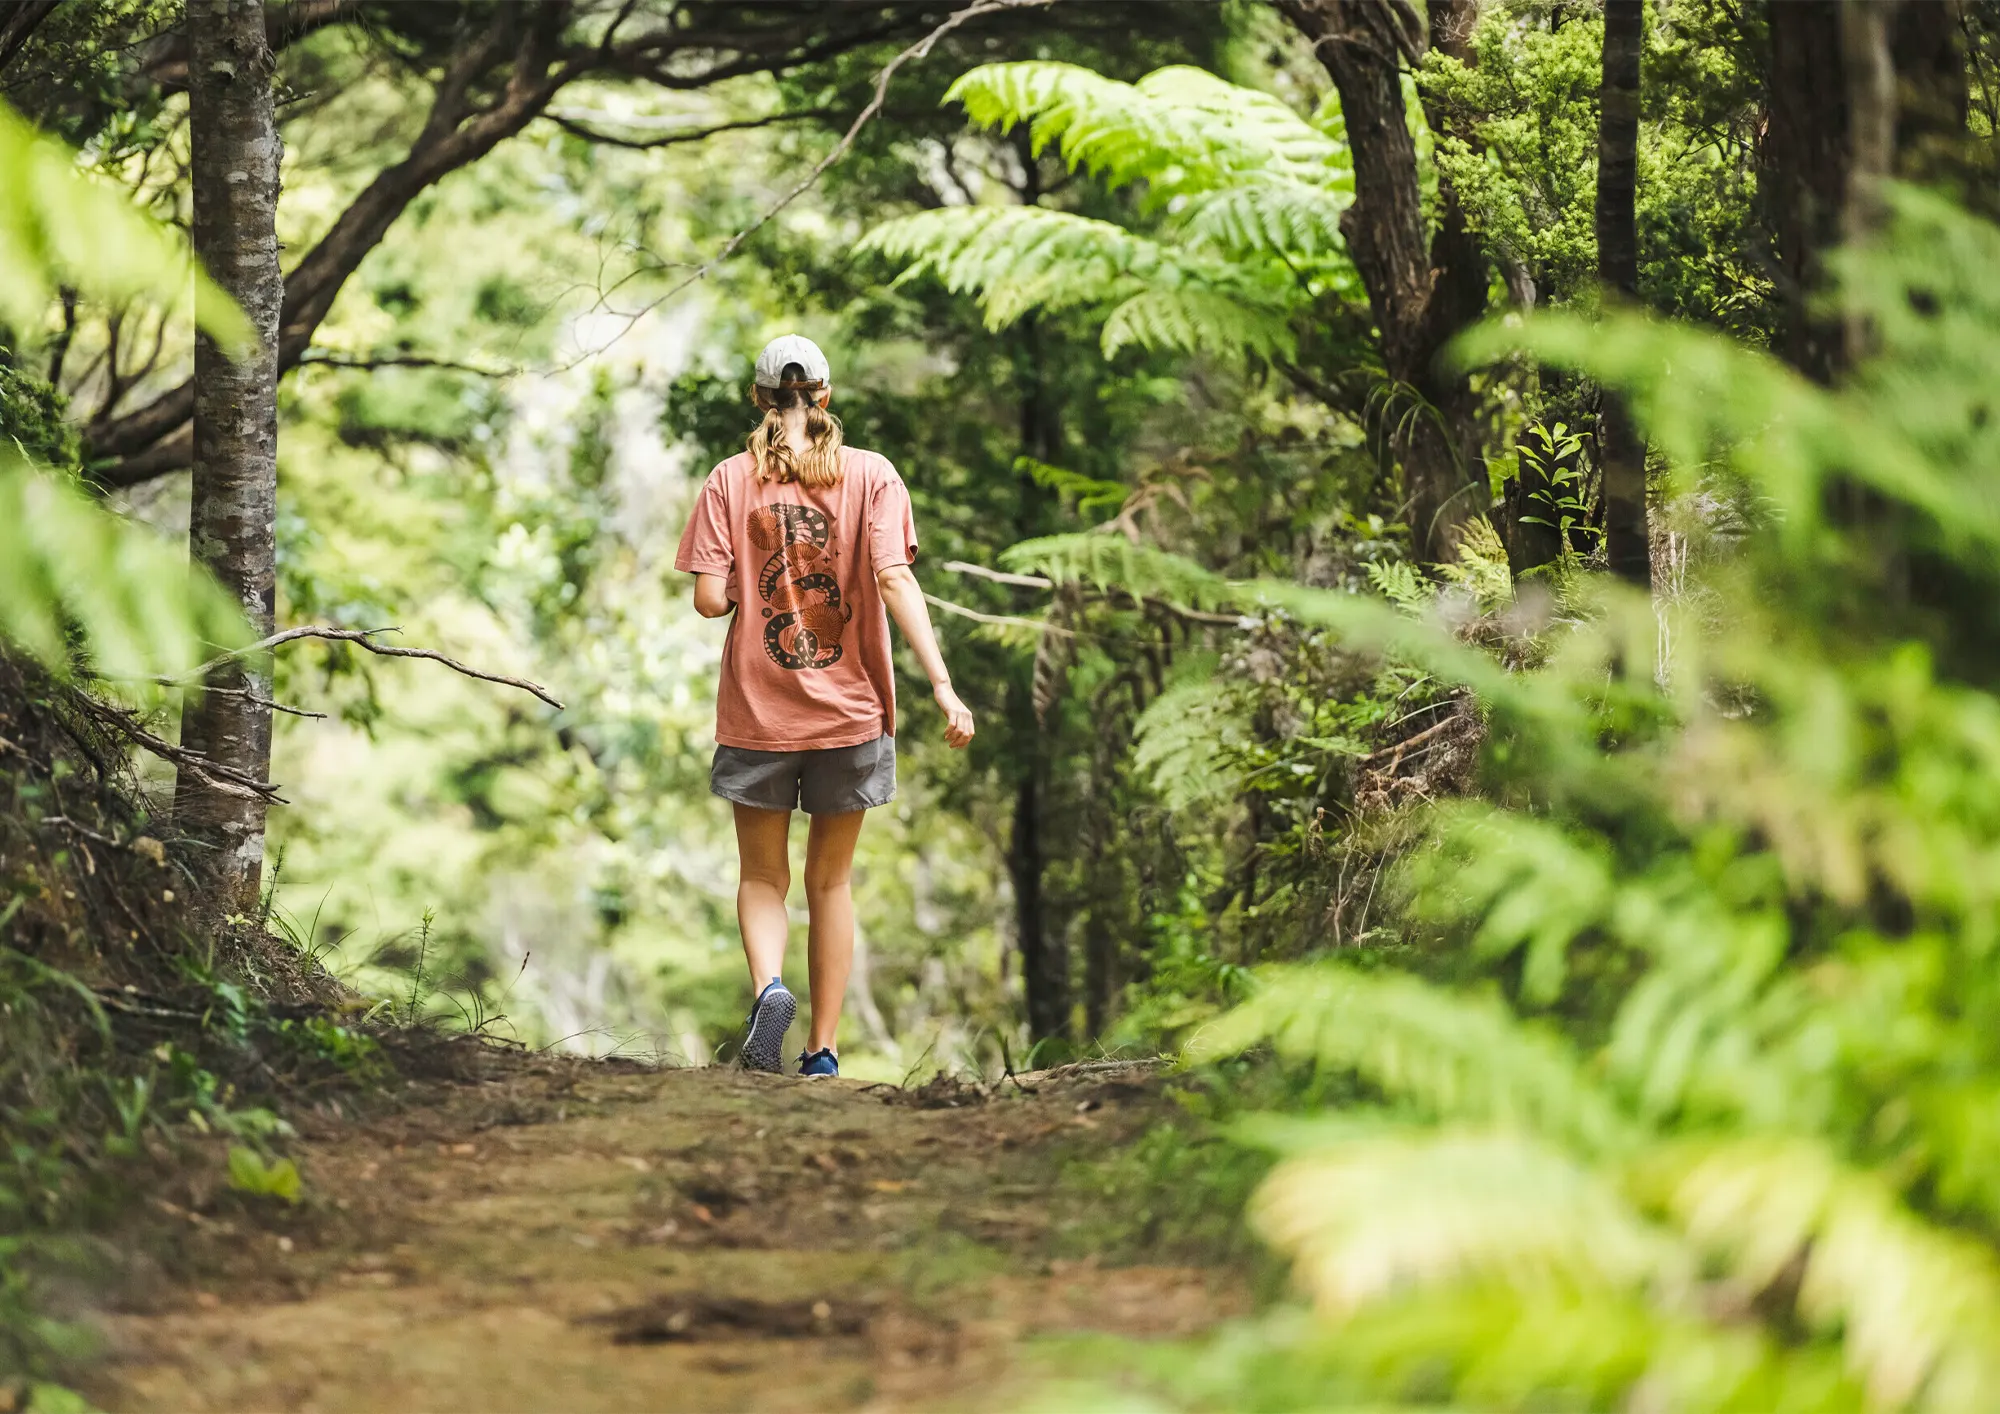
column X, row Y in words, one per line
column 233, row 514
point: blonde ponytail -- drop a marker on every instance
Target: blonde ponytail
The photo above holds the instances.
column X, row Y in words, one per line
column 776, row 459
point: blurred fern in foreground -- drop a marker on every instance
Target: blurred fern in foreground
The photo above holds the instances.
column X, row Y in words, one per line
column 1699, row 1105
column 73, row 576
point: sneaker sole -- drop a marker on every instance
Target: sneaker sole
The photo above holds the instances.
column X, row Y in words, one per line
column 764, row 1044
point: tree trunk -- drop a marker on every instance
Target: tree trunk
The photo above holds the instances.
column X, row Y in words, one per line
column 1044, row 948
column 232, row 519
column 1870, row 71
column 1422, row 294
column 1621, row 451
column 1804, row 174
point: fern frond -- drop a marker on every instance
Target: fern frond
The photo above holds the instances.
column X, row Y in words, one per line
column 1481, row 567
column 1399, row 583
column 1496, row 1345
column 1915, row 1305
column 1297, row 221
column 1460, row 1057
column 1522, row 881
column 66, row 564
column 1113, row 562
column 1183, row 741
column 61, row 227
column 1020, row 258
column 1198, row 321
column 1178, row 129
column 1086, row 495
column 1423, row 1208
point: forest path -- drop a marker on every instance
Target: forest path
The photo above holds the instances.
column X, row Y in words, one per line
column 589, row 1236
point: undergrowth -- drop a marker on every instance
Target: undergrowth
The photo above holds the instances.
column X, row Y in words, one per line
column 132, row 1043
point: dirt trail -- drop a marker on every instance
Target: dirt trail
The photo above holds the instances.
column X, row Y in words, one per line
column 579, row 1236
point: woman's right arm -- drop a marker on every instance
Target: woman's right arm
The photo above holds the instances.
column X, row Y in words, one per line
column 711, row 595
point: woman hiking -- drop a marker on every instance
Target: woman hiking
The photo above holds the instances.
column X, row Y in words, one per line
column 807, row 542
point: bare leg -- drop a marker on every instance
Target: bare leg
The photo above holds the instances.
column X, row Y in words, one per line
column 764, row 877
column 830, row 905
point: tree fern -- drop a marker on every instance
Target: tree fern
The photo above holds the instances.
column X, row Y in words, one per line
column 1289, row 219
column 1250, row 194
column 1195, row 320
column 1179, row 129
column 72, row 574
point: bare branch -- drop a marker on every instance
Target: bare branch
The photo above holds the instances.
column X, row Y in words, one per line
column 1112, row 594
column 919, row 50
column 1026, row 581
column 324, row 359
column 1000, row 620
column 362, row 637
column 570, row 123
column 176, row 453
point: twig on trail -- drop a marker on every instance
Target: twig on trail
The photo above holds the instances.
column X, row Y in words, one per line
column 921, row 49
column 361, row 636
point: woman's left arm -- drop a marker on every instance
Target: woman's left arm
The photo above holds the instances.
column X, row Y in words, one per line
column 904, row 598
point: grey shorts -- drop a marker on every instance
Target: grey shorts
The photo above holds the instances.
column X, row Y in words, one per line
column 830, row 782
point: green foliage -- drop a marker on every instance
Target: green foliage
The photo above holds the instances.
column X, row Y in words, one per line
column 250, row 1172
column 1520, row 148
column 62, row 227
column 1741, row 874
column 1250, row 195
column 71, row 575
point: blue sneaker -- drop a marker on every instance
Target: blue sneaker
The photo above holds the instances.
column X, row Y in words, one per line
column 764, row 1029
column 818, row 1063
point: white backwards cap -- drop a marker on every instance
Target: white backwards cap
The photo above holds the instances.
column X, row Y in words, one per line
column 788, row 349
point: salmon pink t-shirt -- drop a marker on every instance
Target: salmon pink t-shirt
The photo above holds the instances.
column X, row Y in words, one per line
column 806, row 664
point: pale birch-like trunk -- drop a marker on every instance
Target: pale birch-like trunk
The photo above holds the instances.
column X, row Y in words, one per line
column 232, row 521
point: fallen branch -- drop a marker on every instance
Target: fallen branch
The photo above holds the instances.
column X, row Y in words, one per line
column 1409, row 741
column 226, row 780
column 361, row 637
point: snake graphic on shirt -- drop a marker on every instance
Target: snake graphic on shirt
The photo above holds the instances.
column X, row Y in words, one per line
column 805, row 616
